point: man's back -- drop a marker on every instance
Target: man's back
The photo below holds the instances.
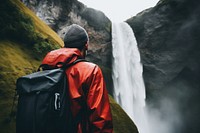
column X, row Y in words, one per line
column 88, row 96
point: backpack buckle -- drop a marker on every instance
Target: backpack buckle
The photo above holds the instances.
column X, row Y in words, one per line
column 57, row 102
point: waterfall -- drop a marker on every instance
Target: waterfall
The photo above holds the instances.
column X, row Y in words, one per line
column 129, row 89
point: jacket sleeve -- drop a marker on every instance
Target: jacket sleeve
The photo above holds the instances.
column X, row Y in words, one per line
column 100, row 118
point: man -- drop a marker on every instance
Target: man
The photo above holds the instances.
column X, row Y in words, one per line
column 87, row 90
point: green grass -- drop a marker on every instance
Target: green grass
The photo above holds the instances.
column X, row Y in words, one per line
column 44, row 30
column 15, row 61
column 121, row 121
column 19, row 24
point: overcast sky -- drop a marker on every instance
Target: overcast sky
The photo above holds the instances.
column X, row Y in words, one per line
column 120, row 10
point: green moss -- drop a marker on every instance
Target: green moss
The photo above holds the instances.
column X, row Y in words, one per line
column 18, row 26
column 14, row 24
column 15, row 61
column 121, row 121
column 41, row 48
column 29, row 39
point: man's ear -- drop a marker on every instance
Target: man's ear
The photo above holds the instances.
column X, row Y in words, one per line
column 86, row 45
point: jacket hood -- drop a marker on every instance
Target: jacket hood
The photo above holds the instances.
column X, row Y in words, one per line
column 65, row 55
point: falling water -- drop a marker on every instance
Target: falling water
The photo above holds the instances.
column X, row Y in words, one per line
column 129, row 89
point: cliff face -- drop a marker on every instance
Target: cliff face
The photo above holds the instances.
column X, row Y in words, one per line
column 51, row 11
column 62, row 13
column 168, row 39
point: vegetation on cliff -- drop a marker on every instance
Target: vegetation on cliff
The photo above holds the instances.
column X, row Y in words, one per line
column 122, row 123
column 24, row 39
column 19, row 24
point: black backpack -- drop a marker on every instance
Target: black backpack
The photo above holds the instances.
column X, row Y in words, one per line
column 43, row 104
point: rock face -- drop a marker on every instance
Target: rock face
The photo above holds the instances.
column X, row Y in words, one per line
column 168, row 39
column 50, row 11
column 62, row 13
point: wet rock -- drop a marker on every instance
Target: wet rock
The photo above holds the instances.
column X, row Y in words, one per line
column 167, row 36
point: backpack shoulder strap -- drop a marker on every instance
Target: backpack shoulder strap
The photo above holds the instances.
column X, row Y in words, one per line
column 79, row 60
column 73, row 63
column 63, row 64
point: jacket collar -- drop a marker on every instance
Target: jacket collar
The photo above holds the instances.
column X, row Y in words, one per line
column 66, row 55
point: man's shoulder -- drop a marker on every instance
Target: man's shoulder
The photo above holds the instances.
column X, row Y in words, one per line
column 92, row 67
column 88, row 64
column 85, row 69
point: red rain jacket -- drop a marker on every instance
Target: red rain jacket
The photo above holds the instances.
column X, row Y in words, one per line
column 86, row 83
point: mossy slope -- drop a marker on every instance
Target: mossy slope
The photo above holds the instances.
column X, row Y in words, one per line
column 15, row 61
column 121, row 121
column 39, row 25
column 24, row 40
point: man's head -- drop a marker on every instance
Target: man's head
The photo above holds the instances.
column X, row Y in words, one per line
column 76, row 37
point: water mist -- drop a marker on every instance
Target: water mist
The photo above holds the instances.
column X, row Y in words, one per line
column 129, row 88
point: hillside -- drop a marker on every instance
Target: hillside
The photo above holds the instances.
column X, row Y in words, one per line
column 24, row 40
